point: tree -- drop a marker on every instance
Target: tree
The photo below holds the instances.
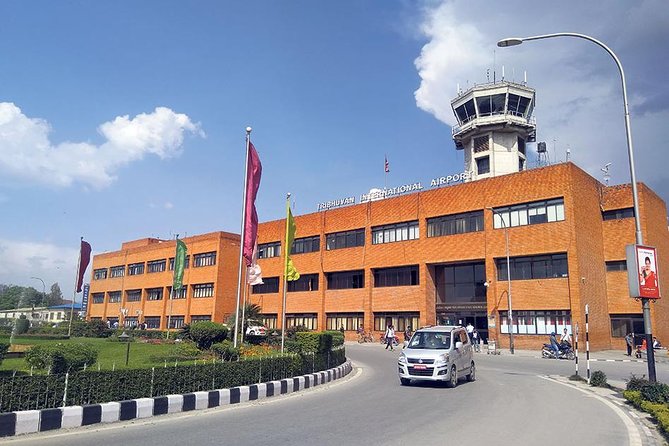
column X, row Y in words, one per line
column 55, row 297
column 14, row 296
column 252, row 314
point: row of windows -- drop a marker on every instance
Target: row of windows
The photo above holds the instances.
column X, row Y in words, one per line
column 383, row 277
column 153, row 266
column 533, row 267
column 537, row 322
column 198, row 290
column 529, row 213
column 397, row 232
column 176, row 321
column 347, row 321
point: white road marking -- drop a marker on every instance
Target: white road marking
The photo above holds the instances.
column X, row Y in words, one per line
column 633, row 435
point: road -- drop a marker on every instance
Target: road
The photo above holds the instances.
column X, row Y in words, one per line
column 510, row 403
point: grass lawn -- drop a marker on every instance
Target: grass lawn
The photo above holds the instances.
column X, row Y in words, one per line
column 110, row 354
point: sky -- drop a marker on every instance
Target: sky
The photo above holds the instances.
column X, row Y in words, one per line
column 124, row 120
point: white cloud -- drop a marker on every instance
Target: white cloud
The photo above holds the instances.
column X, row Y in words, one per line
column 579, row 100
column 21, row 260
column 26, row 152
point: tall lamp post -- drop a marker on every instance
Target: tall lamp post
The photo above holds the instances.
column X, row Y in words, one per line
column 508, row 279
column 43, row 288
column 513, row 41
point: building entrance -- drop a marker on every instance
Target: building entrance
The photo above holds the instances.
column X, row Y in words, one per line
column 478, row 319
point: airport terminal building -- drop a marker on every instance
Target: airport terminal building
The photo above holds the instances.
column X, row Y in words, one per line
column 427, row 252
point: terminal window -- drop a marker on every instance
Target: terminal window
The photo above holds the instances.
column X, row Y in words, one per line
column 267, row 250
column 483, row 165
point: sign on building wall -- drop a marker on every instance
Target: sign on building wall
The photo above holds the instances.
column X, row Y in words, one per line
column 642, row 272
column 84, row 298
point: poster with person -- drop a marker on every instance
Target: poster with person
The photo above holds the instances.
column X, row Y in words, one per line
column 643, row 272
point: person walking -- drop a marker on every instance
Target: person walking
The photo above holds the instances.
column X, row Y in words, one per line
column 476, row 340
column 629, row 342
column 470, row 330
column 390, row 336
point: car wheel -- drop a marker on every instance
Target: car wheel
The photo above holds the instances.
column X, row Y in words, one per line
column 454, row 378
column 472, row 372
column 405, row 381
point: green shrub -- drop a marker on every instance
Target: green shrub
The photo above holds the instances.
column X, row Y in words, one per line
column 89, row 329
column 3, row 349
column 337, row 337
column 226, row 351
column 185, row 350
column 292, row 331
column 22, row 325
column 661, row 414
column 635, row 383
column 634, row 397
column 206, row 333
column 655, row 393
column 598, row 379
column 292, row 346
column 60, row 358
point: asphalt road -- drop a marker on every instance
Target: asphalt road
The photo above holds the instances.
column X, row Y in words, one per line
column 510, row 403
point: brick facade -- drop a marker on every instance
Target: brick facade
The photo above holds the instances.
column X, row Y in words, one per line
column 583, row 235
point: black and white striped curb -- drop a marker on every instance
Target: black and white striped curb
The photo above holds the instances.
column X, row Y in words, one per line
column 30, row 421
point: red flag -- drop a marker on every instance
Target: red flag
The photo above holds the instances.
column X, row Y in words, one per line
column 253, row 173
column 387, row 166
column 84, row 259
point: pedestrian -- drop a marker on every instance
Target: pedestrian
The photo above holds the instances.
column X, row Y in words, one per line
column 629, row 342
column 565, row 337
column 470, row 330
column 476, row 340
column 390, row 336
column 341, row 328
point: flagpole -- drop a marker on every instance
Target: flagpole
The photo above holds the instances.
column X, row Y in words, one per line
column 74, row 293
column 246, row 290
column 241, row 240
column 174, row 270
column 285, row 281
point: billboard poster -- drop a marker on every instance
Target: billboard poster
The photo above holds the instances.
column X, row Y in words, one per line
column 642, row 272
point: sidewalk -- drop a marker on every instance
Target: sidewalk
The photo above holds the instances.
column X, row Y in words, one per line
column 601, row 355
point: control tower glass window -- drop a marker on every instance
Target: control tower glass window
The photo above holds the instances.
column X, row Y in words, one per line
column 491, row 105
column 483, row 165
column 466, row 111
column 518, row 104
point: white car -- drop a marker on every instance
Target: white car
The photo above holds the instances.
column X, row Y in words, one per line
column 256, row 330
column 438, row 353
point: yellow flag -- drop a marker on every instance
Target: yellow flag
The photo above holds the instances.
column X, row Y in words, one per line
column 289, row 269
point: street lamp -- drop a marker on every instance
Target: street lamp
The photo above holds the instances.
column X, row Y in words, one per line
column 43, row 289
column 513, row 41
column 508, row 279
column 125, row 337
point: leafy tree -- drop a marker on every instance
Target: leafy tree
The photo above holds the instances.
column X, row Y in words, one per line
column 252, row 313
column 55, row 297
column 14, row 296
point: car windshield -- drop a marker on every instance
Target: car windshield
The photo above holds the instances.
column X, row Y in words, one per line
column 431, row 340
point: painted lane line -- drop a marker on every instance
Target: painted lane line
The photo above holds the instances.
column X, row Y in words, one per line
column 633, row 435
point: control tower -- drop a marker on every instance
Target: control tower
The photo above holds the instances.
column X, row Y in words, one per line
column 494, row 123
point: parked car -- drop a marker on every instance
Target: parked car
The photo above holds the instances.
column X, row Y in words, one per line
column 256, row 330
column 437, row 353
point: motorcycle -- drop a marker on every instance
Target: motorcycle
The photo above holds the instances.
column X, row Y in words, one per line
column 565, row 351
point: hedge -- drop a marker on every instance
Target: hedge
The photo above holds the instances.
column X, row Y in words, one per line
column 659, row 411
column 92, row 387
column 314, row 342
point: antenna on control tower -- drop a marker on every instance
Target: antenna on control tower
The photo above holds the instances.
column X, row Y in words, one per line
column 607, row 176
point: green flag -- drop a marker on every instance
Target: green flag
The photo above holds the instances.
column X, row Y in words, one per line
column 289, row 270
column 179, row 261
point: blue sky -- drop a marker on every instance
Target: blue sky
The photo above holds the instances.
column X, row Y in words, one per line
column 122, row 120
